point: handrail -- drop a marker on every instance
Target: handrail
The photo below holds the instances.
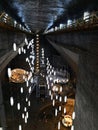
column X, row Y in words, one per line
column 5, row 19
column 91, row 19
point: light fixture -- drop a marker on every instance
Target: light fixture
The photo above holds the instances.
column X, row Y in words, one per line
column 37, row 35
column 72, row 127
column 37, row 41
column 20, row 127
column 65, row 98
column 73, row 115
column 64, row 110
column 67, row 121
column 21, row 89
column 18, row 75
column 26, row 41
column 53, row 102
column 25, row 119
column 26, row 99
column 19, row 51
column 25, row 109
column 30, row 89
column 24, row 51
column 9, row 72
column 60, row 99
column 23, row 115
column 60, row 108
column 61, row 88
column 37, row 45
column 55, row 112
column 29, row 103
column 59, row 125
column 11, row 101
column 56, row 97
column 27, row 114
column 31, row 80
column 14, row 47
column 18, row 106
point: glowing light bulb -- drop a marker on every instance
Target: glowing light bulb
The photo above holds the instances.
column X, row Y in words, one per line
column 18, row 106
column 72, row 127
column 31, row 80
column 27, row 114
column 53, row 103
column 25, row 119
column 20, row 127
column 51, row 96
column 9, row 72
column 59, row 125
column 23, row 115
column 24, row 51
column 56, row 97
column 56, row 112
column 25, row 109
column 59, row 108
column 19, row 51
column 26, row 99
column 64, row 110
column 21, row 89
column 60, row 99
column 61, row 88
column 26, row 41
column 73, row 115
column 11, row 101
column 29, row 103
column 30, row 89
column 65, row 99
column 14, row 47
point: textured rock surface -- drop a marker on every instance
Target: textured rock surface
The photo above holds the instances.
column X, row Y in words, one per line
column 86, row 45
column 87, row 94
column 7, row 38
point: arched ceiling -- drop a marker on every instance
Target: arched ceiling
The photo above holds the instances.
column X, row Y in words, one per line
column 39, row 15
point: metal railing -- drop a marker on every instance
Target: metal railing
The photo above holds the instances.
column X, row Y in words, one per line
column 91, row 20
column 5, row 19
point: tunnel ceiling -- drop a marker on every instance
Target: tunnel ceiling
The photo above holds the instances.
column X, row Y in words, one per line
column 39, row 15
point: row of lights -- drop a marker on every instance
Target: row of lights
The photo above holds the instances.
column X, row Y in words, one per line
column 29, row 80
column 69, row 23
column 50, row 82
column 52, row 74
column 37, row 62
column 6, row 19
column 53, row 93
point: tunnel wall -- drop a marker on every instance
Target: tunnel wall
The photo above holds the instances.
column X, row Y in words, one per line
column 84, row 43
column 7, row 38
column 87, row 94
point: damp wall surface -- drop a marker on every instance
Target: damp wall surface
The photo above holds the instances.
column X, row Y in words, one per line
column 85, row 44
column 87, row 94
column 7, row 38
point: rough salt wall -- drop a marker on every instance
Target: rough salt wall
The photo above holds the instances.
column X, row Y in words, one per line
column 86, row 45
column 7, row 38
column 87, row 93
